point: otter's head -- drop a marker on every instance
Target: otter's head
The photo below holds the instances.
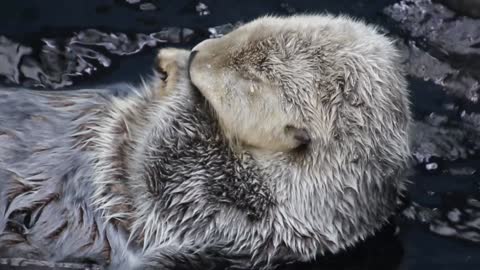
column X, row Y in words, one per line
column 283, row 83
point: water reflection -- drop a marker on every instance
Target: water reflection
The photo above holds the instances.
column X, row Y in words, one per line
column 441, row 47
column 58, row 61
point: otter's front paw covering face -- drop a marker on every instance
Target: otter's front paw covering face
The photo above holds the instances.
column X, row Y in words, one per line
column 169, row 65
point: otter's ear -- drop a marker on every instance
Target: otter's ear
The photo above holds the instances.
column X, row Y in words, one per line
column 299, row 136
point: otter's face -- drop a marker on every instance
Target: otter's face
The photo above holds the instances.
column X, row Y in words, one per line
column 241, row 76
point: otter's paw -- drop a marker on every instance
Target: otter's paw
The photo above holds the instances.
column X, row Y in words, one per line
column 170, row 61
column 171, row 64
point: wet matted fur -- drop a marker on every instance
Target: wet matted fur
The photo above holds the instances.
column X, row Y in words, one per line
column 290, row 140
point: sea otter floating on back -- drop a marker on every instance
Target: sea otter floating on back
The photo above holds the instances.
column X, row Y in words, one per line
column 284, row 139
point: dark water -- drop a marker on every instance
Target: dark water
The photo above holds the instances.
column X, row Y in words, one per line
column 58, row 44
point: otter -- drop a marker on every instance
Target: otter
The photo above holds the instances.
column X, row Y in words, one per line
column 282, row 140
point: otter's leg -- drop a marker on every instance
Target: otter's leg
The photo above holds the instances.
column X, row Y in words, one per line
column 173, row 63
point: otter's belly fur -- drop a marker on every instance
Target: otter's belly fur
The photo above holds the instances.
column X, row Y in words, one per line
column 86, row 177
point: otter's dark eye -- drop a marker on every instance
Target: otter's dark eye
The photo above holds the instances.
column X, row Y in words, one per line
column 300, row 135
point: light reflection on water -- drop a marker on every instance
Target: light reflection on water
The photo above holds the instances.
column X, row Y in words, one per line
column 57, row 62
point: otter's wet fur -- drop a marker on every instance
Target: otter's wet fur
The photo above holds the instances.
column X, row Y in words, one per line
column 180, row 174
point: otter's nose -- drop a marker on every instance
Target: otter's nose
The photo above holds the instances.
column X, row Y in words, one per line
column 190, row 59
